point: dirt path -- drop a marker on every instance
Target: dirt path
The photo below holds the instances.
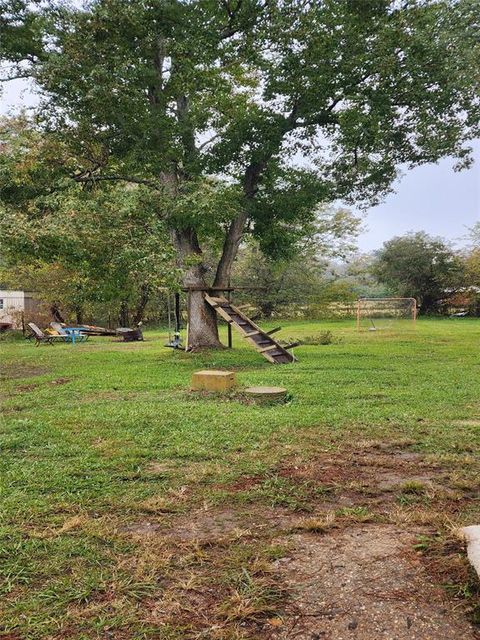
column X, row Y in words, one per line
column 362, row 556
column 364, row 583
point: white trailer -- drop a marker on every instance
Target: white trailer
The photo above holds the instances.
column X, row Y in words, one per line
column 16, row 306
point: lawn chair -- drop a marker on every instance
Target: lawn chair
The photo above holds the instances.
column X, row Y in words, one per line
column 41, row 337
column 70, row 334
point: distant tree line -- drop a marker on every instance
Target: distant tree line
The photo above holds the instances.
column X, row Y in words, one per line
column 416, row 265
column 429, row 269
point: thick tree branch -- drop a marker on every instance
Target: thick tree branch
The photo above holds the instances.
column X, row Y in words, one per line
column 232, row 27
column 204, row 144
column 230, row 30
column 18, row 76
column 155, row 91
column 251, row 179
column 113, row 177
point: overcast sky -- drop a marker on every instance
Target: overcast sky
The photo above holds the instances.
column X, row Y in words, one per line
column 433, row 198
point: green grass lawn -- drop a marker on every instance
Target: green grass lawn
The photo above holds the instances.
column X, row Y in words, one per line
column 103, row 443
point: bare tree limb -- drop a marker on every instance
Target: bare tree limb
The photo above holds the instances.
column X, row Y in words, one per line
column 204, row 144
column 18, row 76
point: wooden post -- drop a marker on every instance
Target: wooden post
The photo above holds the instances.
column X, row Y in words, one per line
column 177, row 312
column 188, row 317
column 229, row 326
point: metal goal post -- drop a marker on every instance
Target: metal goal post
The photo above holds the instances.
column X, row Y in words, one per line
column 373, row 309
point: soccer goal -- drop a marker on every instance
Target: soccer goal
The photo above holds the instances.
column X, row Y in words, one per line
column 374, row 314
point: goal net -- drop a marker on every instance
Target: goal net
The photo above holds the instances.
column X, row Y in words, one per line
column 374, row 314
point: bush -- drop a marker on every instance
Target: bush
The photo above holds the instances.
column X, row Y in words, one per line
column 324, row 337
column 11, row 335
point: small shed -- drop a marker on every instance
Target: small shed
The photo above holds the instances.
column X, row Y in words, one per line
column 17, row 306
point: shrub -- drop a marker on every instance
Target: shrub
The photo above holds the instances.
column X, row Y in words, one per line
column 323, row 337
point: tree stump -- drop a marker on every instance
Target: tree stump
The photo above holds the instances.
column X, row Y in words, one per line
column 266, row 394
column 129, row 335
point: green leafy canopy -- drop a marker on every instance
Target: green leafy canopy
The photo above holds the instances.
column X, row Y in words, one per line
column 288, row 104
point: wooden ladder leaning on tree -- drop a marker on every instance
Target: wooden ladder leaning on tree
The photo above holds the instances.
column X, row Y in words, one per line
column 263, row 342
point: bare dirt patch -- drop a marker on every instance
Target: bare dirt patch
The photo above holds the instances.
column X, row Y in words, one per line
column 467, row 423
column 214, row 525
column 350, row 582
column 362, row 583
column 61, row 381
column 365, row 561
column 158, row 468
column 373, row 475
column 143, row 529
column 16, row 370
column 242, row 484
column 206, row 526
column 26, row 388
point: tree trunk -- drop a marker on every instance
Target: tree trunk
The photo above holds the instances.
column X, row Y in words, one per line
column 123, row 319
column 476, row 306
column 428, row 305
column 230, row 250
column 266, row 308
column 202, row 323
column 237, row 226
column 56, row 313
column 202, row 319
column 142, row 303
column 79, row 315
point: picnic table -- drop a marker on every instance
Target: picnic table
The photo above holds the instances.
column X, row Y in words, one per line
column 74, row 334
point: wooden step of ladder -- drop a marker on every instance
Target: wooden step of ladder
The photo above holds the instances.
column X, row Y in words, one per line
column 267, row 346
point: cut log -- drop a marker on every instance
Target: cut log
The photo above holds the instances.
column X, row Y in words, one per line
column 92, row 330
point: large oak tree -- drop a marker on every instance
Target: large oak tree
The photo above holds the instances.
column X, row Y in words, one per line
column 290, row 103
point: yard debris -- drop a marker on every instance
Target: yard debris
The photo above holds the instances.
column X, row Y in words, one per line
column 87, row 329
column 93, row 330
column 130, row 335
